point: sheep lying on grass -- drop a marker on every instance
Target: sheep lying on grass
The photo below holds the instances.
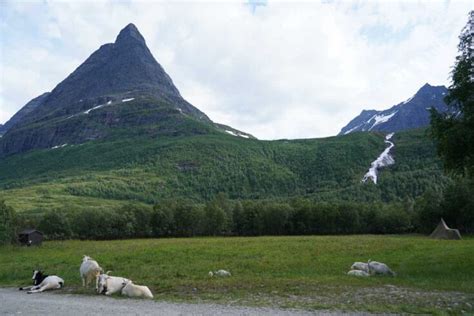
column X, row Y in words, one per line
column 220, row 273
column 358, row 273
column 133, row 290
column 362, row 266
column 362, row 269
column 379, row 268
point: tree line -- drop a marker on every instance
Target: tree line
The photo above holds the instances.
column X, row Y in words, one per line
column 224, row 217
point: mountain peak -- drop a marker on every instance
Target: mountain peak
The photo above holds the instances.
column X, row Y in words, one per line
column 430, row 90
column 409, row 114
column 128, row 34
column 111, row 76
column 426, row 85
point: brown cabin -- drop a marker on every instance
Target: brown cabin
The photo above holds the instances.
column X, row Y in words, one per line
column 30, row 237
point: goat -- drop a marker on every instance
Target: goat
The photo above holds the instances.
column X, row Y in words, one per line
column 109, row 285
column 379, row 268
column 132, row 290
column 89, row 270
column 43, row 282
column 220, row 273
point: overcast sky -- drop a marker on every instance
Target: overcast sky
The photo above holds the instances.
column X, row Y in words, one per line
column 276, row 70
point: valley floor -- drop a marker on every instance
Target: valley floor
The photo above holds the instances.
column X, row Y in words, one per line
column 307, row 273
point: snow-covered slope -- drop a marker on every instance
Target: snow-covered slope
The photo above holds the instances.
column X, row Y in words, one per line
column 412, row 113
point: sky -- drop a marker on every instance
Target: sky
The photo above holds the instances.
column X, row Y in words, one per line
column 274, row 69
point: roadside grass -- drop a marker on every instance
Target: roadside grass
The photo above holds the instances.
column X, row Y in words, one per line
column 308, row 272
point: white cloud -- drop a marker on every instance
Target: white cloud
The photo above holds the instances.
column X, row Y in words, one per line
column 289, row 70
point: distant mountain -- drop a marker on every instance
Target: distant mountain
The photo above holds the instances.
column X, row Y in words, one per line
column 410, row 114
column 120, row 89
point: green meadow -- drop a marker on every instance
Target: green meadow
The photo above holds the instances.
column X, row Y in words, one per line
column 433, row 276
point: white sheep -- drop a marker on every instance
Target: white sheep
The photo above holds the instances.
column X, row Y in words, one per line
column 379, row 268
column 220, row 273
column 108, row 285
column 358, row 273
column 362, row 266
column 132, row 290
column 89, row 271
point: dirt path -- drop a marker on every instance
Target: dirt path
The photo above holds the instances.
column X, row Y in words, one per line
column 14, row 302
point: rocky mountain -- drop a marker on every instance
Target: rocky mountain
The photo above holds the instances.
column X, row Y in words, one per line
column 119, row 90
column 29, row 107
column 412, row 113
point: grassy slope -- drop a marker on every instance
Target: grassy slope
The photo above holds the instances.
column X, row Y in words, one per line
column 287, row 271
column 195, row 167
column 146, row 169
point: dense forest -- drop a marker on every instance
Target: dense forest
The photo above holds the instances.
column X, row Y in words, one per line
column 99, row 175
column 224, row 217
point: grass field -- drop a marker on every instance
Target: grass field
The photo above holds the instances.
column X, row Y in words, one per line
column 305, row 272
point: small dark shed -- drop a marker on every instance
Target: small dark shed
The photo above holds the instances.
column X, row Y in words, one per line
column 30, row 237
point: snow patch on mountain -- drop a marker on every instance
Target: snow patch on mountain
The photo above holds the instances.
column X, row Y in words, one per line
column 89, row 110
column 380, row 118
column 59, row 146
column 236, row 134
column 385, row 159
column 94, row 108
column 128, row 100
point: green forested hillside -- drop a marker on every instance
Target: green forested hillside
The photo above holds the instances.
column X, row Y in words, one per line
column 147, row 169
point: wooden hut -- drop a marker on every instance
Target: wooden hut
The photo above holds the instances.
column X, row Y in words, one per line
column 29, row 237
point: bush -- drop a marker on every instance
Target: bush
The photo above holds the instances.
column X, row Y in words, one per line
column 162, row 220
column 458, row 205
column 7, row 224
column 55, row 225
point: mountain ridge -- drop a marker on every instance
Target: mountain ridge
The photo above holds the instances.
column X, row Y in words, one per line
column 410, row 114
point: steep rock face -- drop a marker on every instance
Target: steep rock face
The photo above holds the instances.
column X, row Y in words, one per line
column 120, row 87
column 29, row 107
column 412, row 113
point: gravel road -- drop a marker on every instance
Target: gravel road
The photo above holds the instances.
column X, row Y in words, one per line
column 14, row 302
